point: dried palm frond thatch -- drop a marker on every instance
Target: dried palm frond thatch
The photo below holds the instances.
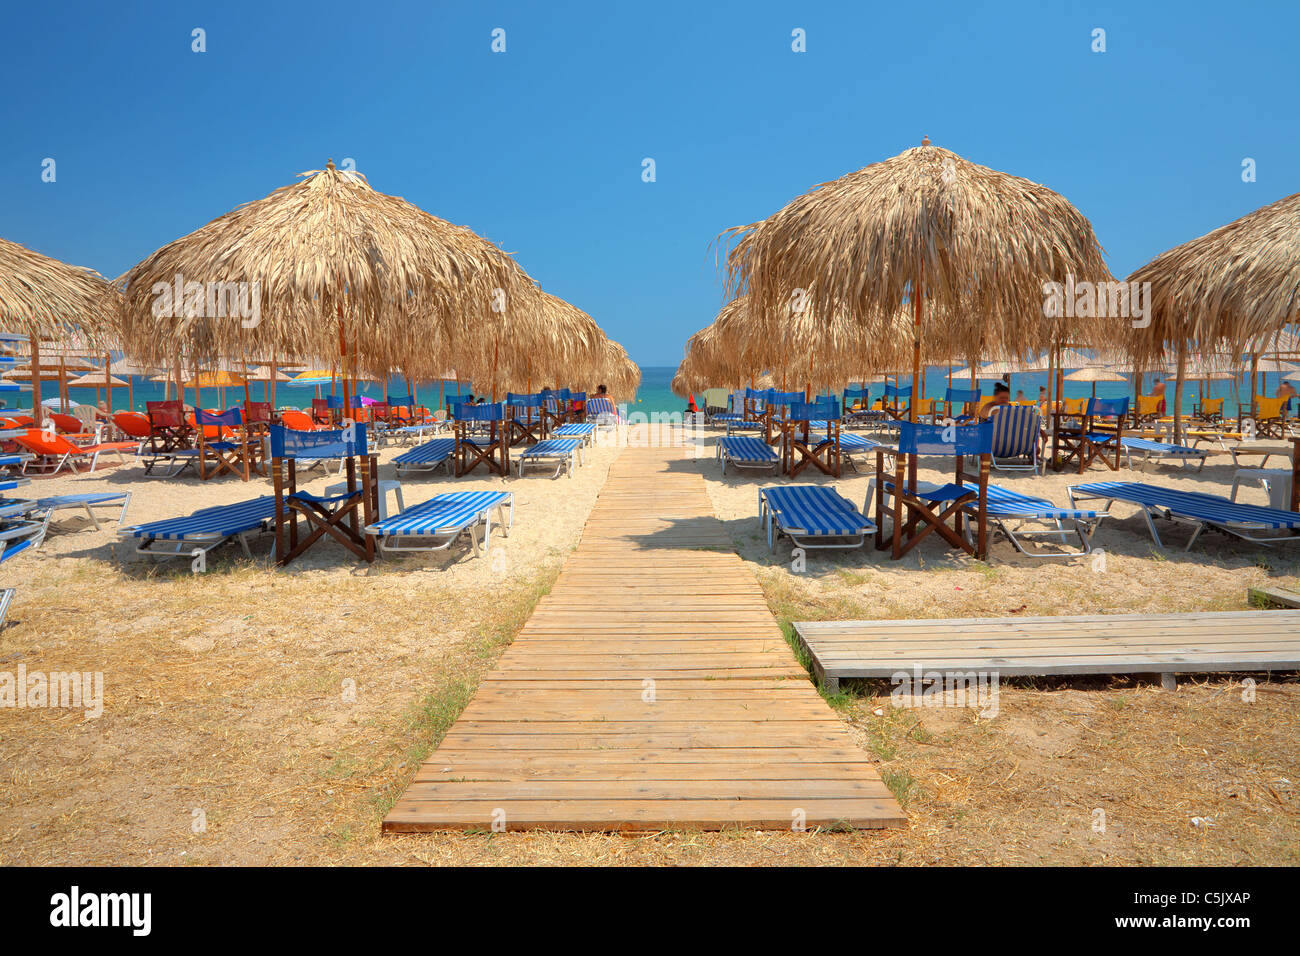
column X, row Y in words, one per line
column 1231, row 290
column 337, row 266
column 974, row 245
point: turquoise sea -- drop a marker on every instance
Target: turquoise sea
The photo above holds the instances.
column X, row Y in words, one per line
column 654, row 395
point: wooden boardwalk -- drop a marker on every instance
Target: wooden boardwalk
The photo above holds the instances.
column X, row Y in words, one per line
column 1167, row 644
column 651, row 689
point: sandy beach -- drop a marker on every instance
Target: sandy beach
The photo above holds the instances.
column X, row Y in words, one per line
column 255, row 715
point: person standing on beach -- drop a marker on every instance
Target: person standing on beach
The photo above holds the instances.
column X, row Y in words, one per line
column 1286, row 390
column 1158, row 390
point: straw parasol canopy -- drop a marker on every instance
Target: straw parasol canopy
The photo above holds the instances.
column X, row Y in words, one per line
column 1095, row 375
column 1229, row 290
column 930, row 229
column 334, row 267
column 46, row 298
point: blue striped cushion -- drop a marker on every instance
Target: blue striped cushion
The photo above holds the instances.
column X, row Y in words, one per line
column 1015, row 431
column 221, row 520
column 744, row 448
column 815, row 510
column 553, row 448
column 1159, row 447
column 440, row 514
column 429, row 453
column 574, row 429
column 1192, row 504
column 851, row 442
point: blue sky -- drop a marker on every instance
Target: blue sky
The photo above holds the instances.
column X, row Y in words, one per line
column 540, row 148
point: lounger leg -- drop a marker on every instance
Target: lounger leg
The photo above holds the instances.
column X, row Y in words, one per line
column 91, row 515
column 1155, row 535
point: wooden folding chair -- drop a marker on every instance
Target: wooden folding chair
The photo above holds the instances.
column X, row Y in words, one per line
column 1268, row 414
column 224, row 444
column 918, row 512
column 168, row 428
column 1087, row 437
column 892, row 402
column 799, row 450
column 554, row 409
column 492, row 449
column 526, row 424
column 342, row 517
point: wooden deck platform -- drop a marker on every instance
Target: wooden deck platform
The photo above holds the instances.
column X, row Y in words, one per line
column 651, row 689
column 1166, row 644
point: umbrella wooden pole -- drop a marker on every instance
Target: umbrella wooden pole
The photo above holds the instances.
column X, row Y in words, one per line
column 108, row 385
column 270, row 385
column 36, row 379
column 63, row 385
column 916, row 360
column 343, row 366
column 1254, row 371
column 1178, row 392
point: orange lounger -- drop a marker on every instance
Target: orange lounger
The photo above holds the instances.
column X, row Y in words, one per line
column 55, row 451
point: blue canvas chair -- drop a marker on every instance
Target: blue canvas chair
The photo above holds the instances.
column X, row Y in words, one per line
column 1017, row 433
column 231, row 449
column 802, row 446
column 1253, row 523
column 436, row 524
column 339, row 517
column 959, row 404
column 746, row 452
column 811, row 516
column 893, row 400
column 918, row 510
column 482, row 438
column 526, row 421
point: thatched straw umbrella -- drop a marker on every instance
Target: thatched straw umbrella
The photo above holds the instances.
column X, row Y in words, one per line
column 1223, row 291
column 1095, row 375
column 340, row 269
column 929, row 228
column 44, row 298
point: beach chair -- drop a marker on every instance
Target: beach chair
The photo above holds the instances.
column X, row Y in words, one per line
column 51, row 452
column 1203, row 512
column 747, row 452
column 561, row 452
column 601, row 410
column 959, row 403
column 554, row 408
column 776, row 412
column 87, row 501
column 1017, row 434
column 1089, row 436
column 427, row 457
column 298, row 421
column 1267, row 414
column 71, row 426
column 915, row 510
column 802, row 446
column 1209, row 411
column 585, row 431
column 225, row 445
column 1146, row 410
column 340, row 517
column 893, row 401
column 491, row 449
column 716, row 402
column 194, row 536
column 812, row 517
column 1159, row 450
column 170, row 442
column 132, row 426
column 436, row 524
column 1017, row 516
column 526, row 421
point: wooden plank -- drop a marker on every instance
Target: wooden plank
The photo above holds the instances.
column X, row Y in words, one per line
column 1208, row 642
column 560, row 735
column 1274, row 596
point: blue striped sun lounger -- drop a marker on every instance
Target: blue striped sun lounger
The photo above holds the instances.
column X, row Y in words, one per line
column 586, row 431
column 811, row 516
column 745, row 452
column 193, row 536
column 1201, row 511
column 1159, row 449
column 426, row 457
column 853, row 445
column 175, row 460
column 88, row 500
column 434, row 524
column 561, row 452
column 1011, row 511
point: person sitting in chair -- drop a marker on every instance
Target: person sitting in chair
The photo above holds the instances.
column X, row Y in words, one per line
column 1001, row 396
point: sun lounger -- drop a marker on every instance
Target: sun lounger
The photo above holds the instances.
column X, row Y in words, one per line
column 853, row 445
column 193, row 536
column 434, row 454
column 811, row 516
column 743, row 451
column 87, row 501
column 54, row 451
column 1197, row 509
column 1158, row 449
column 562, row 452
column 586, row 431
column 435, row 524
